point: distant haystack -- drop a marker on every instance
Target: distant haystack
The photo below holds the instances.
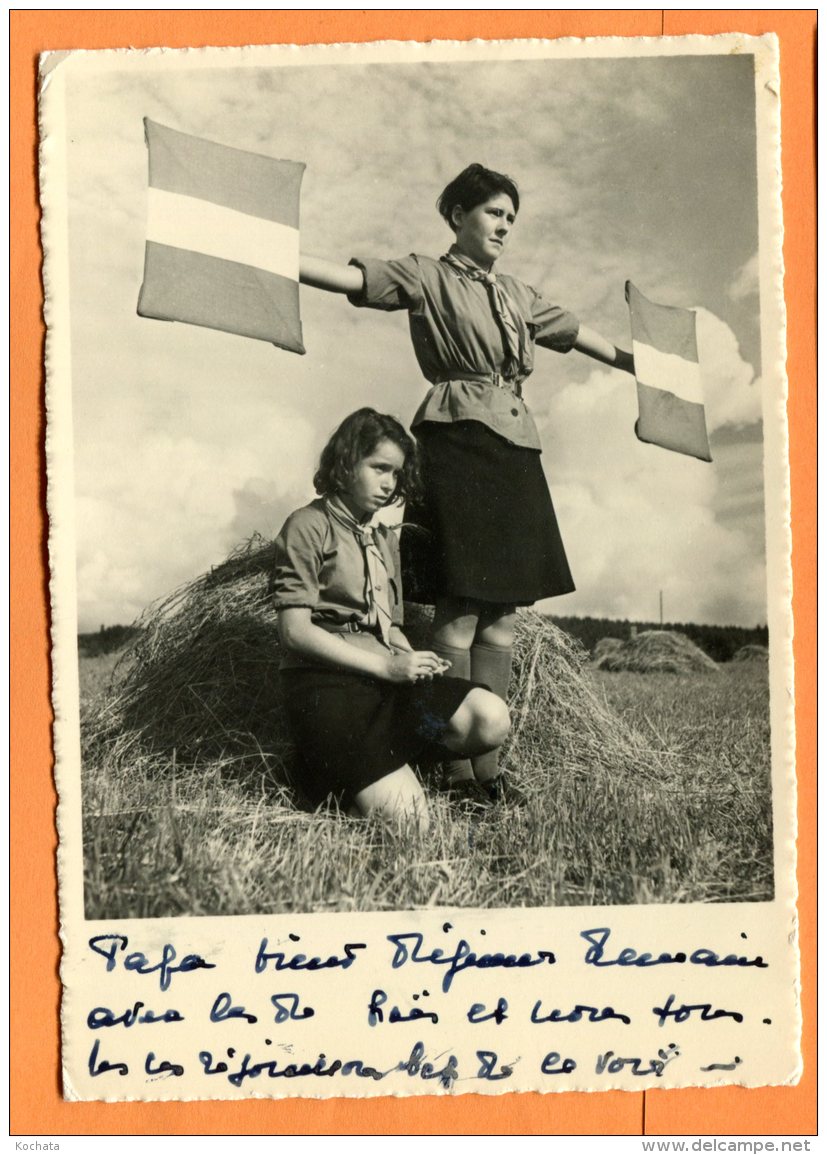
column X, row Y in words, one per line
column 606, row 646
column 751, row 653
column 201, row 683
column 657, row 652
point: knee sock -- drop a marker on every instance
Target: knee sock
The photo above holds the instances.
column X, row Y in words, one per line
column 490, row 665
column 455, row 769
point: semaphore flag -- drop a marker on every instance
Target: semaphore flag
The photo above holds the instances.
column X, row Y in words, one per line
column 670, row 399
column 222, row 240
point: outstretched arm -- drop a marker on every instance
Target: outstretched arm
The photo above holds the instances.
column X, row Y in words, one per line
column 324, row 274
column 593, row 345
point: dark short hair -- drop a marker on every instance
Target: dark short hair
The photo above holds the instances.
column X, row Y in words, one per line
column 474, row 186
column 356, row 438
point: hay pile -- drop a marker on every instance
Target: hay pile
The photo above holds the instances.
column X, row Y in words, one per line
column 200, row 684
column 751, row 653
column 201, row 679
column 606, row 646
column 658, row 651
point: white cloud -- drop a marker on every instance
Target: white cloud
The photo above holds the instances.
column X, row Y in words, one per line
column 745, row 282
column 156, row 511
column 637, row 519
column 187, row 440
column 732, row 394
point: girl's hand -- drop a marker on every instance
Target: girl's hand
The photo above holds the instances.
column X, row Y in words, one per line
column 593, row 345
column 625, row 361
column 398, row 642
column 413, row 666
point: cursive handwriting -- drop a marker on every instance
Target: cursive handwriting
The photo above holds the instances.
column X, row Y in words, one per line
column 417, row 1067
column 409, row 948
column 223, row 1009
column 685, row 1010
column 272, row 1069
column 615, row 1064
column 377, row 1015
column 488, row 1061
column 99, row 1066
column 629, row 957
column 549, row 1065
column 165, row 1067
column 300, row 962
column 109, row 947
column 479, row 1013
column 104, row 1017
column 498, row 1005
column 288, row 1007
column 591, row 1014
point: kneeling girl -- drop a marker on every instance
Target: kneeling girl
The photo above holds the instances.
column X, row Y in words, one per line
column 360, row 702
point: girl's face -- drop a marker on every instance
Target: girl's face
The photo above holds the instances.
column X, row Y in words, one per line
column 374, row 479
column 482, row 232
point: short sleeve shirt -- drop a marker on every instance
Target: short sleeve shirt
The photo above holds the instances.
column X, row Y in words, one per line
column 456, row 336
column 320, row 565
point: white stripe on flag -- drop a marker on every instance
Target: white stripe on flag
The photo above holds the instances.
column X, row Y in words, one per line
column 203, row 227
column 668, row 371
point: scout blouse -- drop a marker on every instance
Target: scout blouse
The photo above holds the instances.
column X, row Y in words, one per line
column 458, row 343
column 320, row 565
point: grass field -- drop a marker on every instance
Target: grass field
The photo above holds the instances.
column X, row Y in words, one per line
column 162, row 838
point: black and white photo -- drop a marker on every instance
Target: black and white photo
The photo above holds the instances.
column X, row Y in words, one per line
column 418, row 483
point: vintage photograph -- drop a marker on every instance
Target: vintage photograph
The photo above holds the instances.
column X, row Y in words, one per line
column 418, row 413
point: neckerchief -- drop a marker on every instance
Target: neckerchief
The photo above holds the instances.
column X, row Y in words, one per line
column 377, row 581
column 511, row 323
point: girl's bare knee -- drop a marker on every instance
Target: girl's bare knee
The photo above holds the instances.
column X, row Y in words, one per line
column 496, row 628
column 455, row 622
column 397, row 799
column 481, row 723
column 493, row 720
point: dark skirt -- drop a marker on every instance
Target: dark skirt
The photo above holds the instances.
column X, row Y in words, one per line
column 486, row 529
column 351, row 730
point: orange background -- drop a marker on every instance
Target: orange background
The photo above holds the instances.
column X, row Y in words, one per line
column 36, row 1105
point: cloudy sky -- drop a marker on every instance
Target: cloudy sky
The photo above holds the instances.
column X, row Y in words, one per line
column 187, row 440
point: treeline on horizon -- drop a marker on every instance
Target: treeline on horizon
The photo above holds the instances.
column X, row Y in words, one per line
column 719, row 642
column 105, row 640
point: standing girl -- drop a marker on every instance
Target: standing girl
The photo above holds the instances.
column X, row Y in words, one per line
column 360, row 702
column 487, row 504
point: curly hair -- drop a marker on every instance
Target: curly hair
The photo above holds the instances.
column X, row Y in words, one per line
column 356, row 438
column 474, row 186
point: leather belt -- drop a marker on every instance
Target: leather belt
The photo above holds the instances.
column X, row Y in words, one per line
column 510, row 384
column 348, row 628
